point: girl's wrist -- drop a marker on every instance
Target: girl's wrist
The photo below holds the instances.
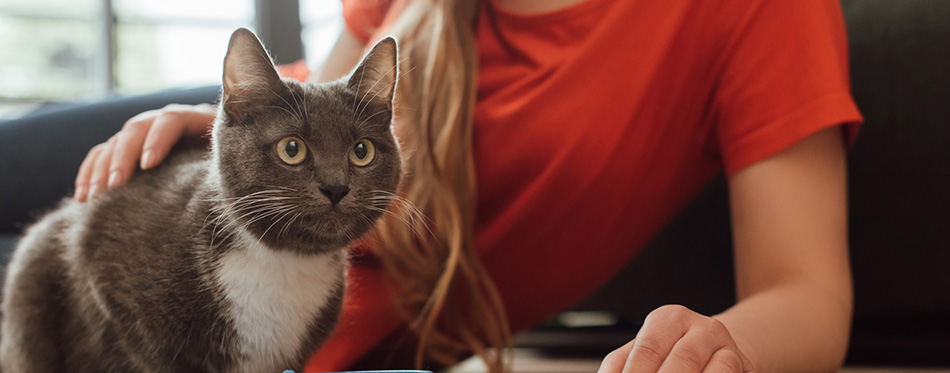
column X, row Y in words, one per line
column 745, row 346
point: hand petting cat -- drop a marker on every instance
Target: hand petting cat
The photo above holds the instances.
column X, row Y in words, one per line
column 146, row 139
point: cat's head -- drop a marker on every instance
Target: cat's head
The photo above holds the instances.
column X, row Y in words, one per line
column 311, row 165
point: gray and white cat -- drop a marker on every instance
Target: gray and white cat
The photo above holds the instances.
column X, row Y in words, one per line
column 229, row 261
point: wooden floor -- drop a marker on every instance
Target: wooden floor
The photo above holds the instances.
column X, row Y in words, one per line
column 528, row 361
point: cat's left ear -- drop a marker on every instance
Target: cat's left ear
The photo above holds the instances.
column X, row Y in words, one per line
column 249, row 74
column 375, row 78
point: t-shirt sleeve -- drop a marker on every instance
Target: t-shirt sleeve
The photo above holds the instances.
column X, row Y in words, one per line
column 364, row 17
column 784, row 77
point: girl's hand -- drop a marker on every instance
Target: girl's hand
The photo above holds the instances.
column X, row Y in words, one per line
column 145, row 139
column 676, row 339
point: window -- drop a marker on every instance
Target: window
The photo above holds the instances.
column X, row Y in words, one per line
column 59, row 49
column 174, row 43
column 322, row 22
column 49, row 49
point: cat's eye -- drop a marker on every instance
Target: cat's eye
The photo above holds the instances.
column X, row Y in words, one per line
column 363, row 153
column 291, row 150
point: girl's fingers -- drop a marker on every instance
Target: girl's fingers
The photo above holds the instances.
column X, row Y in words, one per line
column 726, row 361
column 614, row 361
column 197, row 119
column 145, row 139
column 100, row 170
column 661, row 329
column 162, row 135
column 169, row 127
column 85, row 172
column 127, row 150
column 693, row 352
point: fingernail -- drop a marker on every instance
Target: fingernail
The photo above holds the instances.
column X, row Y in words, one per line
column 92, row 191
column 146, row 159
column 80, row 193
column 114, row 179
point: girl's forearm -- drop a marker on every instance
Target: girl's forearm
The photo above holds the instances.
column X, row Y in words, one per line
column 800, row 326
column 344, row 56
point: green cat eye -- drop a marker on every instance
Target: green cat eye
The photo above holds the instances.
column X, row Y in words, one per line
column 363, row 153
column 291, row 150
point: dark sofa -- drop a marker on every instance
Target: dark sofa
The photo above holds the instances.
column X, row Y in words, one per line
column 899, row 199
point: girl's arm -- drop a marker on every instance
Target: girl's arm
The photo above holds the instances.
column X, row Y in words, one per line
column 793, row 276
column 344, row 56
column 792, row 273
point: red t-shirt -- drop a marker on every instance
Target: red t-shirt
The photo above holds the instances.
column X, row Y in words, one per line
column 596, row 123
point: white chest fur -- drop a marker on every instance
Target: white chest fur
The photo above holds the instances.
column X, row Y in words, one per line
column 274, row 296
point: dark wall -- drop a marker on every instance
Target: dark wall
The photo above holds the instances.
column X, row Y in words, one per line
column 278, row 26
column 899, row 175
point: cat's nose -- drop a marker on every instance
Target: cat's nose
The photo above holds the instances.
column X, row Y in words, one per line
column 335, row 192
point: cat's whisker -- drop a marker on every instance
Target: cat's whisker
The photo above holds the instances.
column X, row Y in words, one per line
column 261, row 212
column 204, row 223
column 226, row 211
column 408, row 213
column 254, row 201
column 282, row 212
column 418, row 229
column 296, row 117
column 252, row 198
column 287, row 225
column 264, row 212
column 360, row 84
column 281, row 187
column 249, row 196
column 365, row 122
column 404, row 73
column 222, row 215
column 402, row 202
column 376, row 93
column 306, row 114
column 376, row 124
column 286, row 213
column 284, row 109
column 246, row 204
column 369, row 221
column 352, row 232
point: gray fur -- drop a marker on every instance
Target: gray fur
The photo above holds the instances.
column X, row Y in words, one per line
column 130, row 280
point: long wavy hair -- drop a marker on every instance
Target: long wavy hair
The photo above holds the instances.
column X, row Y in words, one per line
column 452, row 304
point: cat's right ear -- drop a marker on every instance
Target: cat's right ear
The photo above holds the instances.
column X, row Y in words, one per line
column 375, row 78
column 250, row 77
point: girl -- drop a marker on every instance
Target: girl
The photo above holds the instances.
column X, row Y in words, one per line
column 547, row 140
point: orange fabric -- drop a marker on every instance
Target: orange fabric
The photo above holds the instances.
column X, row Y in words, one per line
column 369, row 20
column 596, row 123
column 297, row 70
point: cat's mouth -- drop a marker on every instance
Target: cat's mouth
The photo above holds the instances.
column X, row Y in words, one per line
column 317, row 233
column 315, row 225
column 335, row 222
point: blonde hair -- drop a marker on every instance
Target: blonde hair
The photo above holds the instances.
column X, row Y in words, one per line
column 452, row 303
